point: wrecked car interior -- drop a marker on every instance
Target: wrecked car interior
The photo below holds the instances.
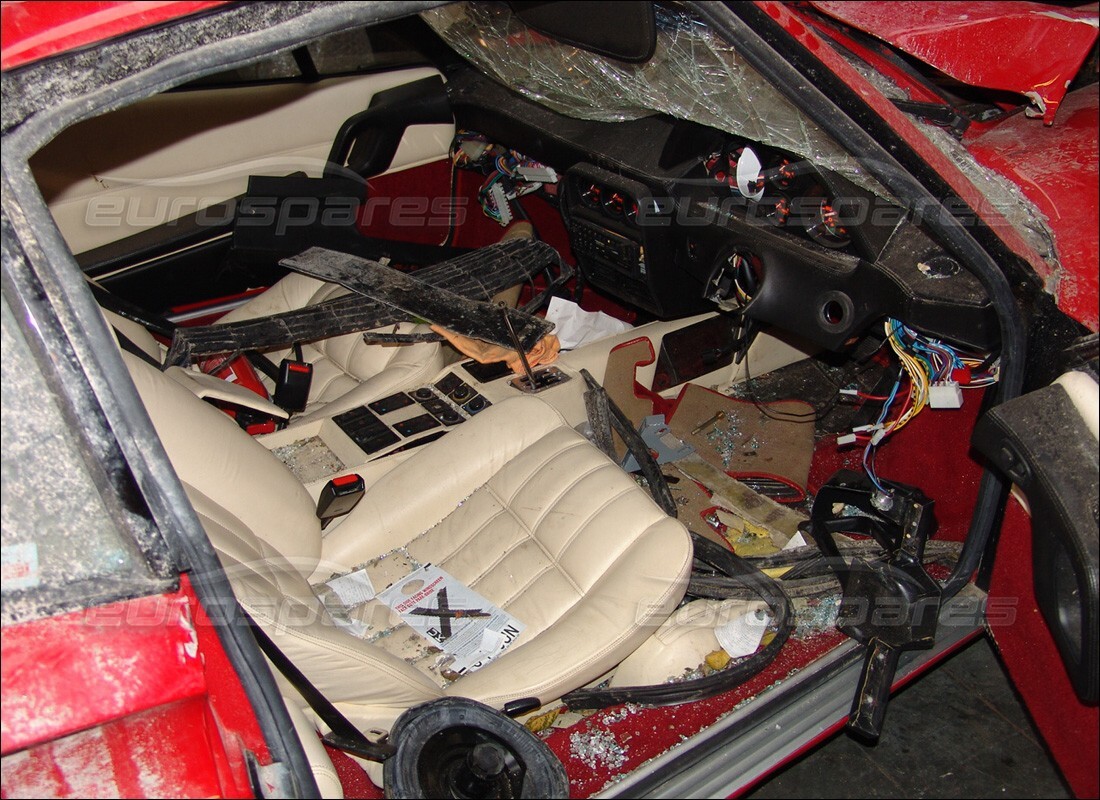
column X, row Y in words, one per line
column 566, row 401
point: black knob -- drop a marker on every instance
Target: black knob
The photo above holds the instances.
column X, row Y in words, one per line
column 423, row 393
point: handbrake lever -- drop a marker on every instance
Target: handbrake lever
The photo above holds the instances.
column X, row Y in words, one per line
column 518, row 347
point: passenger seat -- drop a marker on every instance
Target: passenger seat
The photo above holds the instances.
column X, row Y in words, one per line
column 514, row 504
column 347, row 371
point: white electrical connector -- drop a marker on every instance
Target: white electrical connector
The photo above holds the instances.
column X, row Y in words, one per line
column 850, row 392
column 848, row 438
column 537, row 174
column 868, row 428
column 877, row 437
column 473, row 148
column 500, row 200
column 945, row 394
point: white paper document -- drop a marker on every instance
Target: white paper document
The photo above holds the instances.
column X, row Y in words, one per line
column 575, row 327
column 453, row 617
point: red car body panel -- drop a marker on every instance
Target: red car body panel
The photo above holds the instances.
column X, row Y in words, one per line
column 958, row 38
column 131, row 699
column 32, row 31
column 1056, row 169
column 799, row 27
column 1054, row 166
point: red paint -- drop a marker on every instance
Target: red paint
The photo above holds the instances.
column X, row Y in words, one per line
column 916, row 90
column 1039, row 47
column 228, row 704
column 130, row 699
column 1056, row 169
column 65, row 673
column 142, row 755
column 1069, row 728
column 36, row 30
column 914, row 138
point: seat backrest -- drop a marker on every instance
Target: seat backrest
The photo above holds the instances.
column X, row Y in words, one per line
column 229, row 475
column 263, row 525
column 136, row 333
column 342, row 364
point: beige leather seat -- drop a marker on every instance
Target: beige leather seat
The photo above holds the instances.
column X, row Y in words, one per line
column 513, row 503
column 347, row 372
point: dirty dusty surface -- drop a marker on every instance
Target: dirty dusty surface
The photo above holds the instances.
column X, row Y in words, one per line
column 989, row 749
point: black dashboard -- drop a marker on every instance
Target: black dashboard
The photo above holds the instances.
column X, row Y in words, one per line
column 677, row 218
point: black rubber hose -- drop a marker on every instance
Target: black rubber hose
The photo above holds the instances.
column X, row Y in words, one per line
column 735, row 569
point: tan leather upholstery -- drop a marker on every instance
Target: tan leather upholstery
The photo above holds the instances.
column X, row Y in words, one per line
column 135, row 333
column 328, row 781
column 513, row 503
column 347, row 372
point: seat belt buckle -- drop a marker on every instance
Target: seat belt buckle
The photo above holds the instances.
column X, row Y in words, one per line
column 339, row 496
column 292, row 388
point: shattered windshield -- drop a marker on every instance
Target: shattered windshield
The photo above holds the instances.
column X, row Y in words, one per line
column 692, row 75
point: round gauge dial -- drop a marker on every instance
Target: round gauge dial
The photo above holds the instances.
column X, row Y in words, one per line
column 827, row 225
column 591, row 195
column 615, row 203
column 776, row 209
column 748, row 173
column 718, row 167
column 783, row 173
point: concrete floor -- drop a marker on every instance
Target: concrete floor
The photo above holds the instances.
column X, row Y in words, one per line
column 958, row 731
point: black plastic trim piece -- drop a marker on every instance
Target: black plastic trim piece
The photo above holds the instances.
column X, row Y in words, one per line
column 625, row 30
column 1041, row 443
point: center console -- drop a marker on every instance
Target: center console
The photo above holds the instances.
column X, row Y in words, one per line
column 318, row 450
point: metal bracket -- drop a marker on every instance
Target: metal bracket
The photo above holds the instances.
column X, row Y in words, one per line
column 660, row 440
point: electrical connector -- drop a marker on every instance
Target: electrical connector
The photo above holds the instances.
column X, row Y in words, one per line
column 847, row 438
column 500, row 200
column 945, row 394
column 850, row 392
column 867, row 428
column 473, row 148
column 878, row 436
column 537, row 174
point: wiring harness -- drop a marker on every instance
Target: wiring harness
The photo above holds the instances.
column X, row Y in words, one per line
column 936, row 374
column 509, row 174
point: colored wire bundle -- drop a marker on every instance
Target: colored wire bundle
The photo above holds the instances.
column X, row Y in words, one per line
column 924, row 363
column 508, row 173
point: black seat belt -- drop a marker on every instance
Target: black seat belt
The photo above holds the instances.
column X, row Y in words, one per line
column 154, row 323
column 127, row 344
column 343, row 735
